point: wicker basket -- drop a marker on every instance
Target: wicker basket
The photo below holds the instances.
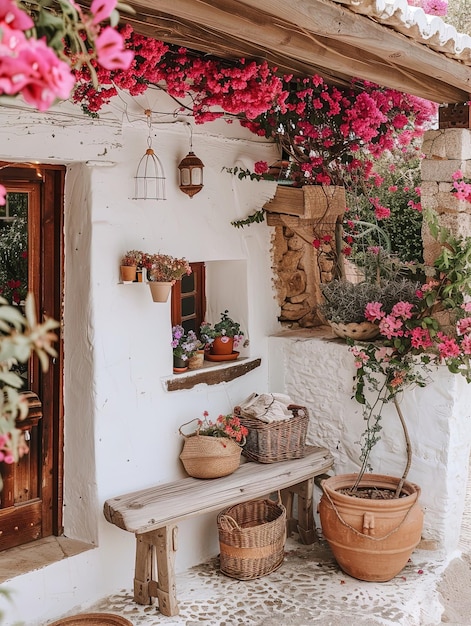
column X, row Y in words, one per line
column 275, row 441
column 210, row 457
column 93, row 619
column 252, row 538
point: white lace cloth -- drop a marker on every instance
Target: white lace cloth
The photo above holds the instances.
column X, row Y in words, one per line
column 267, row 407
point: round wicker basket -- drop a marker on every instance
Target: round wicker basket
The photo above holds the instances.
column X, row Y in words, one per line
column 93, row 619
column 210, row 457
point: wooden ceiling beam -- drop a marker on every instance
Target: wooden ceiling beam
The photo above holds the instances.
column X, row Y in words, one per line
column 293, row 34
column 328, row 19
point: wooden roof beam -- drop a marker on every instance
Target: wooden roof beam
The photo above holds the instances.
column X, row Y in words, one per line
column 324, row 38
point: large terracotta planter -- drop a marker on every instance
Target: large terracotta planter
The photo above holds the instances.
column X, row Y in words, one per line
column 371, row 540
column 222, row 345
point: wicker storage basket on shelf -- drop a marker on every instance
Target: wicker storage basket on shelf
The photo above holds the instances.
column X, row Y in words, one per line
column 252, row 538
column 275, row 441
column 210, row 457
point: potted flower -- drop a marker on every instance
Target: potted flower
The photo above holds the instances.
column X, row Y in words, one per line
column 416, row 335
column 345, row 303
column 185, row 346
column 213, row 449
column 163, row 270
column 130, row 261
column 223, row 337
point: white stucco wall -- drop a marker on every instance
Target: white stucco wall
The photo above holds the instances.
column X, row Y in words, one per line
column 121, row 426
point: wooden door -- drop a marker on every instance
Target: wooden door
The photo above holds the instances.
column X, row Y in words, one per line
column 31, row 260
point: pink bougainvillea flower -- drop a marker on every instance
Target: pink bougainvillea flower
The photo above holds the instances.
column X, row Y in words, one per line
column 420, row 338
column 260, row 167
column 110, row 50
column 14, row 17
column 402, row 309
column 374, row 312
column 463, row 326
column 3, row 195
column 101, row 10
column 37, row 73
column 390, row 326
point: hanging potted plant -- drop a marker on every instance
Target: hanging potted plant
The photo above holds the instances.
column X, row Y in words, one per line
column 163, row 271
column 221, row 339
column 213, row 449
column 372, row 539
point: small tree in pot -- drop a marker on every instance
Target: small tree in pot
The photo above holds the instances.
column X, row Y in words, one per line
column 417, row 336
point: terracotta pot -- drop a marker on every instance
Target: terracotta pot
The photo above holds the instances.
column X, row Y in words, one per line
column 128, row 273
column 223, row 345
column 179, row 365
column 371, row 539
column 160, row 291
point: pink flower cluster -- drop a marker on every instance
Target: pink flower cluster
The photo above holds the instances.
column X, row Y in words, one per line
column 216, row 88
column 32, row 68
column 432, row 7
column 404, row 322
column 29, row 66
column 462, row 186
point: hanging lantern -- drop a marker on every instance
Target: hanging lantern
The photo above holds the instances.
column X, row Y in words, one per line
column 191, row 171
column 150, row 178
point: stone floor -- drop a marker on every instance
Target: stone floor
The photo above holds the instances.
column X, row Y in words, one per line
column 310, row 590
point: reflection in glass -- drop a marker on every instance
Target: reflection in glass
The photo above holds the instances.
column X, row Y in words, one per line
column 14, row 251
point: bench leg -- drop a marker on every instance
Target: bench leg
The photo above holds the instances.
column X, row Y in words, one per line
column 155, row 569
column 305, row 522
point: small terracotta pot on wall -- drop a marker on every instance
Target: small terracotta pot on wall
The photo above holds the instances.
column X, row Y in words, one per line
column 128, row 273
column 223, row 345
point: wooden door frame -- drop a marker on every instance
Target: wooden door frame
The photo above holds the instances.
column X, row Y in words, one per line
column 49, row 304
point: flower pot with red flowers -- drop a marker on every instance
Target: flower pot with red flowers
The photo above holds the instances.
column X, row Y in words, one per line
column 163, row 271
column 130, row 262
column 213, row 449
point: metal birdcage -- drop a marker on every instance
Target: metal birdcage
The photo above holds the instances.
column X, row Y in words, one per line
column 150, row 178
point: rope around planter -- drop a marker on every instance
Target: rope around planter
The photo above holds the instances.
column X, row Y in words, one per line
column 357, row 532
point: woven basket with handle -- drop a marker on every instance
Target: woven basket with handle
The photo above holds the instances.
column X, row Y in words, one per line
column 252, row 538
column 209, row 457
column 275, row 441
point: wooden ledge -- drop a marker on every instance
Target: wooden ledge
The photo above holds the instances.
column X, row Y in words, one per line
column 211, row 375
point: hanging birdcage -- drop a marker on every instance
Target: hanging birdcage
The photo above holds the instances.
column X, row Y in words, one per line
column 150, row 178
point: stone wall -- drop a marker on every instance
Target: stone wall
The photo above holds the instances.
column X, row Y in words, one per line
column 305, row 248
column 446, row 151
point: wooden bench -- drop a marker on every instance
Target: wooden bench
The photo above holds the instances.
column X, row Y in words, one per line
column 152, row 514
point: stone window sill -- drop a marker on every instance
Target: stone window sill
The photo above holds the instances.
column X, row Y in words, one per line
column 211, row 374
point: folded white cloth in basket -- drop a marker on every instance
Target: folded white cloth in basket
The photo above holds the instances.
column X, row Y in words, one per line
column 267, row 407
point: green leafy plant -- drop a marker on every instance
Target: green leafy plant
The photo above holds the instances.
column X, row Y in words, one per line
column 20, row 336
column 225, row 327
